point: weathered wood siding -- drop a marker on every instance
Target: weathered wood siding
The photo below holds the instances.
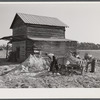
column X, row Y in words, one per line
column 19, row 31
column 22, row 45
column 29, row 47
column 58, row 48
column 17, row 22
column 19, row 28
column 45, row 32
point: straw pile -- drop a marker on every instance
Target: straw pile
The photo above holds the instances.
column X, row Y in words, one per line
column 34, row 64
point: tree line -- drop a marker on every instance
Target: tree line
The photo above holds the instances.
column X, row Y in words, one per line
column 88, row 46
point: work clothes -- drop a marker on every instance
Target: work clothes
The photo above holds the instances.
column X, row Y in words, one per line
column 93, row 65
column 54, row 65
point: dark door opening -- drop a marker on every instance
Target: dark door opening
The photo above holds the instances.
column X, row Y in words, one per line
column 17, row 52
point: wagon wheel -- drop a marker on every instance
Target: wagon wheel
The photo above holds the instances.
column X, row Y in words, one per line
column 76, row 68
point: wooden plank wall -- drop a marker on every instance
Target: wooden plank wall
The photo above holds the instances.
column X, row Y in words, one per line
column 17, row 22
column 20, row 31
column 22, row 45
column 58, row 48
column 45, row 32
column 18, row 27
column 29, row 47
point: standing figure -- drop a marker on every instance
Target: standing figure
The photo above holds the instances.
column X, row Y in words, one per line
column 87, row 65
column 53, row 64
column 93, row 65
column 88, row 59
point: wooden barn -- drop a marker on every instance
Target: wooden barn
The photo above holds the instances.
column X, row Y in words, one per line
column 46, row 34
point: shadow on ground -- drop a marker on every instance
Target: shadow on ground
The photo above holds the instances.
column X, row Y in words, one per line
column 3, row 61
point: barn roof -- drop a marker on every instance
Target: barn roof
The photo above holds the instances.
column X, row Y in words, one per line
column 40, row 20
column 35, row 39
column 50, row 39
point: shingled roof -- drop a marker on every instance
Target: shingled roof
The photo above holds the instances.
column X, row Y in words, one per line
column 40, row 20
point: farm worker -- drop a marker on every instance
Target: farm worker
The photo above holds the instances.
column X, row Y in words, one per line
column 92, row 65
column 50, row 55
column 53, row 64
column 88, row 59
column 86, row 56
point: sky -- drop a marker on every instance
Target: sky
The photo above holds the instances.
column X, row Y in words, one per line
column 83, row 18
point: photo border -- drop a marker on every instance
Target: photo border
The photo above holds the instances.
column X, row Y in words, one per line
column 48, row 2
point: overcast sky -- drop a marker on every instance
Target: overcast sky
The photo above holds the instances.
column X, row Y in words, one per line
column 83, row 19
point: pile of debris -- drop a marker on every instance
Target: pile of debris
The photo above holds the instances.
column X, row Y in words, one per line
column 34, row 64
column 37, row 64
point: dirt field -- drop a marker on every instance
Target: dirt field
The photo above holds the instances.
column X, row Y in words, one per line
column 17, row 79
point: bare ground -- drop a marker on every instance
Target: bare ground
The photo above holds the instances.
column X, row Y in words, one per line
column 17, row 79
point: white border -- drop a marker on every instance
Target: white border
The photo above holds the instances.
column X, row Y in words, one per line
column 68, row 2
column 49, row 93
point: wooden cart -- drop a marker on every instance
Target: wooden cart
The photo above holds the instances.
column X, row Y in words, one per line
column 70, row 68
